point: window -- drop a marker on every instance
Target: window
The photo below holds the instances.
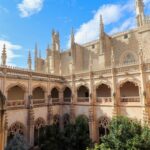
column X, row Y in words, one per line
column 129, row 58
column 125, row 36
column 93, row 46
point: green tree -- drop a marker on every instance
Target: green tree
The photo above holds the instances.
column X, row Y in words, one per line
column 125, row 134
column 73, row 137
column 17, row 143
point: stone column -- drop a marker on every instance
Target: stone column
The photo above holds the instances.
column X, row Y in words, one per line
column 61, row 109
column 92, row 113
column 49, row 111
column 73, row 100
column 2, row 120
column 6, row 130
column 114, row 92
column 143, row 94
column 30, row 121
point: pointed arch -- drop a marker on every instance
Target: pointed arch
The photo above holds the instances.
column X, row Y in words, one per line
column 103, row 125
column 38, row 93
column 15, row 128
column 16, row 92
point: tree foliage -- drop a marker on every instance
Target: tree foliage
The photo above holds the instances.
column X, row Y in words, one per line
column 17, row 143
column 125, row 134
column 73, row 137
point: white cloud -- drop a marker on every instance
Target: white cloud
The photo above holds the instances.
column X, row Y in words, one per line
column 10, row 48
column 90, row 30
column 127, row 24
column 30, row 7
column 112, row 13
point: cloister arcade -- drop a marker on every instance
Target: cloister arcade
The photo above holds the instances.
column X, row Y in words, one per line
column 128, row 92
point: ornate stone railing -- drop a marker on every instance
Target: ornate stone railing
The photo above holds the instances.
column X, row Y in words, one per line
column 38, row 101
column 104, row 99
column 67, row 99
column 55, row 100
column 83, row 99
column 15, row 103
column 130, row 99
column 147, row 19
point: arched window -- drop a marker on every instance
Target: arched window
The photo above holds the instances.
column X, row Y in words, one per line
column 38, row 130
column 38, row 93
column 15, row 128
column 129, row 92
column 16, row 93
column 103, row 126
column 55, row 95
column 103, row 93
column 83, row 94
column 129, row 58
column 67, row 95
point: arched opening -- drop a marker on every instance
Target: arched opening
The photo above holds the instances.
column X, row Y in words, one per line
column 129, row 92
column 55, row 95
column 15, row 128
column 103, row 125
column 16, row 93
column 103, row 93
column 67, row 95
column 83, row 94
column 38, row 93
column 66, row 119
column 38, row 130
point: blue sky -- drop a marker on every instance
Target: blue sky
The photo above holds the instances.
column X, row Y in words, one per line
column 25, row 22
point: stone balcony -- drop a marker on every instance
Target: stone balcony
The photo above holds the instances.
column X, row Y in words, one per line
column 67, row 99
column 130, row 99
column 83, row 99
column 15, row 103
column 104, row 100
column 38, row 101
column 55, row 100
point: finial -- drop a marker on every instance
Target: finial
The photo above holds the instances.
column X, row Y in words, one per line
column 101, row 26
column 29, row 61
column 4, row 55
column 40, row 54
column 72, row 37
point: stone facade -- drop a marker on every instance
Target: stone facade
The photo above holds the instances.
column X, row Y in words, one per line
column 100, row 79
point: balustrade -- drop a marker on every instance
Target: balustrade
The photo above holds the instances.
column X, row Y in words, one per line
column 104, row 99
column 130, row 99
column 55, row 100
column 83, row 99
column 67, row 99
column 15, row 103
column 38, row 101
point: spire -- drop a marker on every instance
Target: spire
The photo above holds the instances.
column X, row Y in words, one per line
column 72, row 37
column 29, row 61
column 35, row 56
column 4, row 55
column 53, row 40
column 101, row 26
column 36, row 50
column 40, row 54
column 140, row 12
